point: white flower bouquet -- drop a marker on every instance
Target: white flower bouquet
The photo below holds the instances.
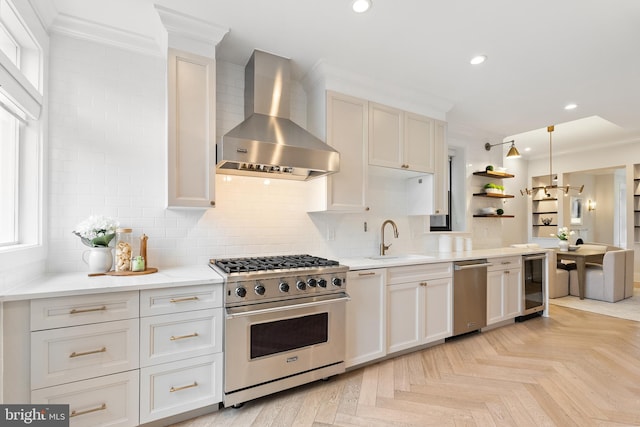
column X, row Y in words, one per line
column 563, row 233
column 96, row 231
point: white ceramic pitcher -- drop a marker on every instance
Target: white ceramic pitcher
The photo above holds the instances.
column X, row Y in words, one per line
column 99, row 260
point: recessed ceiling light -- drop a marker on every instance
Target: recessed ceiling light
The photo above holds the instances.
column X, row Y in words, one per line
column 571, row 106
column 478, row 59
column 360, row 6
column 527, row 149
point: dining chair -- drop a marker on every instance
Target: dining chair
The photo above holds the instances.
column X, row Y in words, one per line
column 606, row 282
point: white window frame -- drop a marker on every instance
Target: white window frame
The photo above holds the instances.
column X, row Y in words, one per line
column 24, row 96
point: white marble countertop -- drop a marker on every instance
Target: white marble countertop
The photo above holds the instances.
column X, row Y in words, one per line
column 392, row 260
column 56, row 285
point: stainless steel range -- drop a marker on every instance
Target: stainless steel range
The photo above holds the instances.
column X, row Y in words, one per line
column 284, row 323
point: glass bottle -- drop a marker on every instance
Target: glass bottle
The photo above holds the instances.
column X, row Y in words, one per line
column 124, row 249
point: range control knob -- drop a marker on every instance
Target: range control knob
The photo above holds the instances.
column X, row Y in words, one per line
column 284, row 287
column 312, row 282
column 336, row 281
column 322, row 283
column 260, row 290
column 301, row 285
column 241, row 292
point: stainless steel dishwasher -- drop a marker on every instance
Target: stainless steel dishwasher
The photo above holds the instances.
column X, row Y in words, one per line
column 469, row 295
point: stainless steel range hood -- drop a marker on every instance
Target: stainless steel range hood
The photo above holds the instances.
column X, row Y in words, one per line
column 267, row 143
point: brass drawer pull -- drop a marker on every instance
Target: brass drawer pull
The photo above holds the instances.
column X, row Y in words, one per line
column 173, row 389
column 423, row 284
column 75, row 413
column 87, row 310
column 85, row 353
column 371, row 273
column 195, row 334
column 183, row 299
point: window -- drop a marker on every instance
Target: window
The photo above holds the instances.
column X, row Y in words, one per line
column 21, row 139
column 443, row 222
column 8, row 178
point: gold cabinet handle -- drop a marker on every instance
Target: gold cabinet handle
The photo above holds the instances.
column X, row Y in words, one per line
column 423, row 284
column 183, row 299
column 174, row 389
column 371, row 273
column 195, row 334
column 85, row 353
column 75, row 413
column 87, row 310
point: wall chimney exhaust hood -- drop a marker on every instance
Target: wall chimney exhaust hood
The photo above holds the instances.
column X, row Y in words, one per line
column 267, row 143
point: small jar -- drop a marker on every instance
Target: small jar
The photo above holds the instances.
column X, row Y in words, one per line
column 124, row 249
column 137, row 264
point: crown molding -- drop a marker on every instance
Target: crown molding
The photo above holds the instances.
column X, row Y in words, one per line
column 191, row 34
column 84, row 29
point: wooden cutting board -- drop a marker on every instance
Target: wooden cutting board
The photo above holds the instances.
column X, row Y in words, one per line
column 148, row 270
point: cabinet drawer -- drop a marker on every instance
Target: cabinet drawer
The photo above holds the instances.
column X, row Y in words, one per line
column 49, row 313
column 106, row 401
column 177, row 336
column 505, row 263
column 412, row 273
column 176, row 387
column 176, row 300
column 70, row 354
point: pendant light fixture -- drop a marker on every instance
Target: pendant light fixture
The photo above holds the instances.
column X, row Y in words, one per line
column 513, row 151
column 551, row 187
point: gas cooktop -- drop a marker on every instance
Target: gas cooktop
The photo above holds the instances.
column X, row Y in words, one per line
column 255, row 264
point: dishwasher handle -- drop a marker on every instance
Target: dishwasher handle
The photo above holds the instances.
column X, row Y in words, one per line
column 468, row 266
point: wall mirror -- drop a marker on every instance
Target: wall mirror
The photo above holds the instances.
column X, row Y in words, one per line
column 576, row 210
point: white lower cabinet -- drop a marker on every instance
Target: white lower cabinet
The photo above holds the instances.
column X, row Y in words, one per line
column 366, row 316
column 176, row 387
column 126, row 358
column 504, row 289
column 80, row 352
column 85, row 352
column 419, row 305
column 111, row 400
column 180, row 350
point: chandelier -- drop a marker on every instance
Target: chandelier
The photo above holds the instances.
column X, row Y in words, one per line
column 552, row 187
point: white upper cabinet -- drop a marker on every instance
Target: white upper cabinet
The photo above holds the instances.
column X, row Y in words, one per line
column 191, row 103
column 385, row 136
column 347, row 132
column 419, row 148
column 401, row 140
column 191, row 130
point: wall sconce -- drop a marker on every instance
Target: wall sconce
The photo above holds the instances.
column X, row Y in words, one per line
column 591, row 205
column 513, row 151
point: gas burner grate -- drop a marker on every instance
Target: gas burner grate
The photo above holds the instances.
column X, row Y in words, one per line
column 242, row 265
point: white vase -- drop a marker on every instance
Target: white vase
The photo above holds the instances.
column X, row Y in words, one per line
column 563, row 245
column 99, row 260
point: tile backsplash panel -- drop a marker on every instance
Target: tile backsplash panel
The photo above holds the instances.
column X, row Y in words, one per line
column 107, row 154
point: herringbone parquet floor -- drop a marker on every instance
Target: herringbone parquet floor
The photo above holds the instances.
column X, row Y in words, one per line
column 574, row 368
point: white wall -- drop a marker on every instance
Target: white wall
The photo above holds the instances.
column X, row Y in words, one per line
column 107, row 156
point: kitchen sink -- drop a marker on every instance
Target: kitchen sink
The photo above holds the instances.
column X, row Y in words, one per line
column 408, row 257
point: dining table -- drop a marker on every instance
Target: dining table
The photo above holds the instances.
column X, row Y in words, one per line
column 581, row 256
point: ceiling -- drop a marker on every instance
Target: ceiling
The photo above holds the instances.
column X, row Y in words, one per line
column 541, row 54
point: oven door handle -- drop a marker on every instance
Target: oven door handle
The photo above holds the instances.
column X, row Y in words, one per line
column 230, row 315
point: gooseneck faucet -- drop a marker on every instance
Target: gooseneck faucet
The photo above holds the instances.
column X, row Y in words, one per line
column 383, row 247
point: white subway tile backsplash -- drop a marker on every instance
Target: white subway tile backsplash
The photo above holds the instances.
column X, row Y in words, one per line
column 107, row 154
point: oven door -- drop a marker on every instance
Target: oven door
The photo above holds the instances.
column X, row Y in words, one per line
column 270, row 341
